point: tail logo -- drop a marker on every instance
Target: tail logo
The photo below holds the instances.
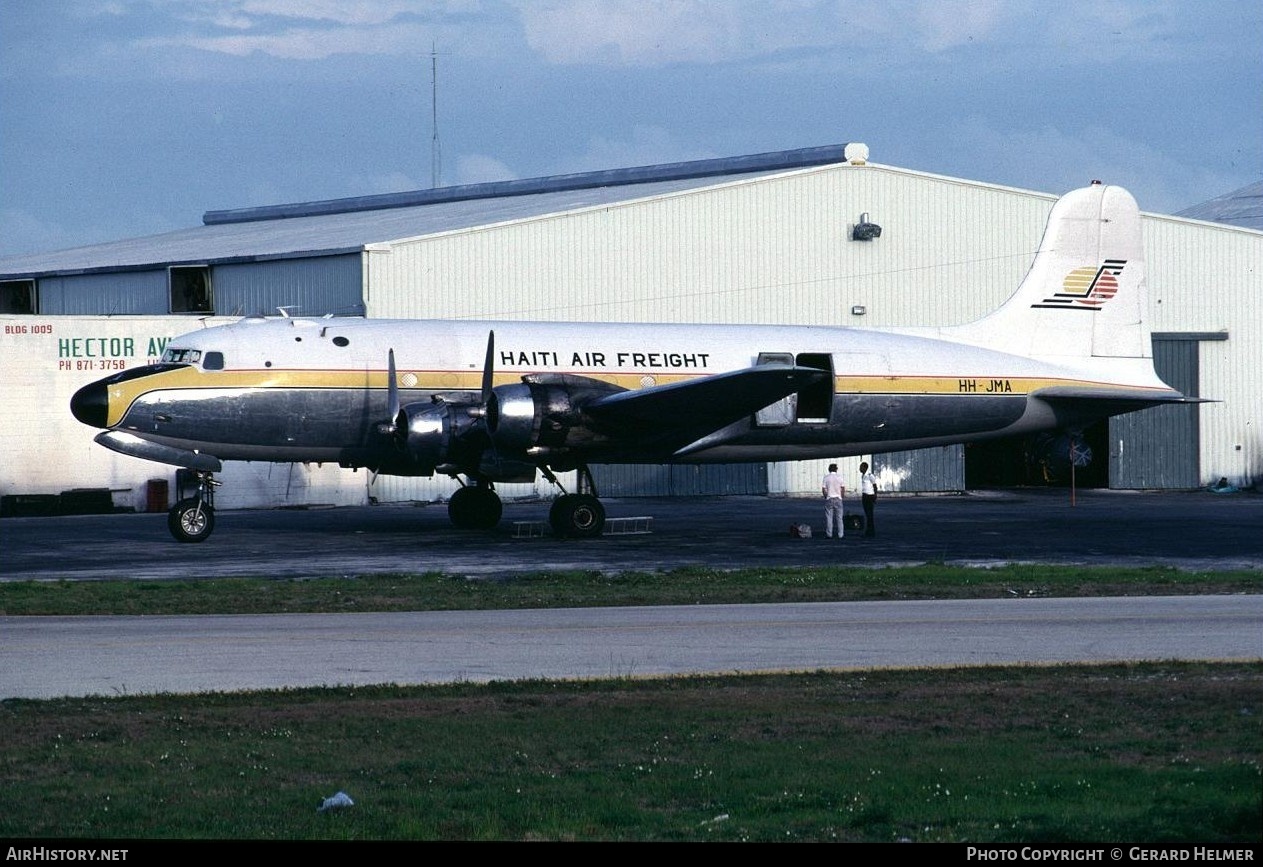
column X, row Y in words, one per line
column 1087, row 288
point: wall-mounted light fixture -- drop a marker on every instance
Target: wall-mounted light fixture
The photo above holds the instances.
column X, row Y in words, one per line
column 864, row 230
column 858, row 309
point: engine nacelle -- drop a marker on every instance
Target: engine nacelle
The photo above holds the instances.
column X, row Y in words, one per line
column 522, row 427
column 446, row 437
column 534, row 416
column 425, row 431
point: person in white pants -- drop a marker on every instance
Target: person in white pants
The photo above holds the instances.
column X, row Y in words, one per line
column 833, row 489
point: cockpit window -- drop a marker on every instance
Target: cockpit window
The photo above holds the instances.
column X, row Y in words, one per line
column 213, row 361
column 182, row 356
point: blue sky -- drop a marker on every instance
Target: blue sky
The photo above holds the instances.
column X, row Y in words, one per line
column 121, row 118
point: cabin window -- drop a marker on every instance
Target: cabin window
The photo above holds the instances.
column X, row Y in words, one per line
column 17, row 296
column 213, row 361
column 191, row 289
column 341, row 341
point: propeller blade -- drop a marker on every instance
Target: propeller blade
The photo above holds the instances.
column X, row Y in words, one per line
column 392, row 387
column 390, row 426
column 488, row 368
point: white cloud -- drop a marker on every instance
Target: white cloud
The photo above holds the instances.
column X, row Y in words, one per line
column 391, row 182
column 306, row 43
column 21, row 232
column 252, row 13
column 657, row 32
column 647, row 146
column 318, row 29
column 945, row 24
column 661, row 32
column 357, row 12
column 481, row 169
column 1057, row 159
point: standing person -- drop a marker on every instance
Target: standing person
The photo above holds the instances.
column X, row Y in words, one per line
column 833, row 489
column 868, row 496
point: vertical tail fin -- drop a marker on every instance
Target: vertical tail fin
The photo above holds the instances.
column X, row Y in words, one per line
column 1085, row 293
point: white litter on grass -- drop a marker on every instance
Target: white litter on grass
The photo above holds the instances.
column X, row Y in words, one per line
column 341, row 799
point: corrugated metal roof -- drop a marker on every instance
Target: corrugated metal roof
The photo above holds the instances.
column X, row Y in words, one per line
column 348, row 225
column 1242, row 208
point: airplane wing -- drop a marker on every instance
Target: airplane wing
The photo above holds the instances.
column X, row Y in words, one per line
column 682, row 412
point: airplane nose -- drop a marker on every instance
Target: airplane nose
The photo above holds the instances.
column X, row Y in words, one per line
column 91, row 404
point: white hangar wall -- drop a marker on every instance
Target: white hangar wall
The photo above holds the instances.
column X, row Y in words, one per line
column 1206, row 280
column 771, row 249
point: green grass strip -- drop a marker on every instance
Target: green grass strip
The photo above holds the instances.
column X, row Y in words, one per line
column 1121, row 753
column 436, row 592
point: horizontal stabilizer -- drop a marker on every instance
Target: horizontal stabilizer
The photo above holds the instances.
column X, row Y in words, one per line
column 683, row 411
column 1080, row 405
column 1146, row 395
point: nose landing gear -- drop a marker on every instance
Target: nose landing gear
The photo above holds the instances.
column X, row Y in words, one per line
column 193, row 518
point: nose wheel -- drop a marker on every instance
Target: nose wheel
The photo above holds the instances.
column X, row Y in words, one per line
column 193, row 519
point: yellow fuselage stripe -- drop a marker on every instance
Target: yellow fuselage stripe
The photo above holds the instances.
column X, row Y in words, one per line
column 123, row 394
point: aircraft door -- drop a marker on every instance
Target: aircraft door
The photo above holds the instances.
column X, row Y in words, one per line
column 783, row 411
column 812, row 405
column 815, row 403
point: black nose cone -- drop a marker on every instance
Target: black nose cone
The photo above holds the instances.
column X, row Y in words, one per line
column 91, row 404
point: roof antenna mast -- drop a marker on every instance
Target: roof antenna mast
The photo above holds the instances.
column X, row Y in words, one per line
column 436, row 153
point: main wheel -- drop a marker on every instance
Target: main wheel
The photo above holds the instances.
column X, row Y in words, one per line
column 556, row 518
column 580, row 516
column 191, row 520
column 472, row 508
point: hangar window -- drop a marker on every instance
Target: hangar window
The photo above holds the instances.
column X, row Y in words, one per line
column 17, row 296
column 191, row 289
column 213, row 361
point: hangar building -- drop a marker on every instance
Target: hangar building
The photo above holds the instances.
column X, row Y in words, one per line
column 768, row 238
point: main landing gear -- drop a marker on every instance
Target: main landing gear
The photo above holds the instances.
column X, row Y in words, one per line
column 579, row 515
column 475, row 507
column 193, row 519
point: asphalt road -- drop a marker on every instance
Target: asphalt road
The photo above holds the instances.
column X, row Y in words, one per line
column 1192, row 530
column 43, row 657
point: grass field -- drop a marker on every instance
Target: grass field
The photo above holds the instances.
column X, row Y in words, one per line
column 1146, row 753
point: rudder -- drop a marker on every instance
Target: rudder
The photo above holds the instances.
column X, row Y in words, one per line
column 1084, row 294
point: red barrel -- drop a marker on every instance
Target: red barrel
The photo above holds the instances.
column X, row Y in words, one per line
column 156, row 495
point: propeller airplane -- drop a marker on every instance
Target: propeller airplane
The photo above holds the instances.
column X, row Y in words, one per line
column 489, row 403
